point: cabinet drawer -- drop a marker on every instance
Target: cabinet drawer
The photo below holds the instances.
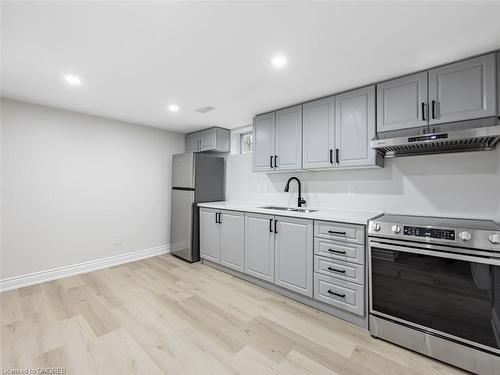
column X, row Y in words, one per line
column 339, row 293
column 339, row 269
column 349, row 252
column 340, row 231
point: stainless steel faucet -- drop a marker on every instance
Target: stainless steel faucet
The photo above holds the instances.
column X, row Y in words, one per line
column 300, row 200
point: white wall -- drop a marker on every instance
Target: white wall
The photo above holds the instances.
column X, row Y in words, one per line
column 457, row 185
column 72, row 183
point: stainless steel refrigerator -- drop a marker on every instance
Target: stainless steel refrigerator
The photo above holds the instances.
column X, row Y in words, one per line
column 196, row 178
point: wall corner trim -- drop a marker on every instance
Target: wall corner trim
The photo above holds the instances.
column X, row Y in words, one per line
column 75, row 269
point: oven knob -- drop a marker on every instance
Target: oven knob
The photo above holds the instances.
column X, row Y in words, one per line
column 495, row 238
column 375, row 227
column 465, row 236
column 396, row 228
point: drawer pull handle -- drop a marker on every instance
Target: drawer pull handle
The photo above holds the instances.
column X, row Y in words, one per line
column 334, row 270
column 336, row 232
column 337, row 294
column 337, row 251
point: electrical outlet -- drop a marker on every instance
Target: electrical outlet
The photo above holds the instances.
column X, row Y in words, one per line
column 351, row 190
column 117, row 240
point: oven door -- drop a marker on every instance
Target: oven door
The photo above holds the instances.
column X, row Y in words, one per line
column 452, row 295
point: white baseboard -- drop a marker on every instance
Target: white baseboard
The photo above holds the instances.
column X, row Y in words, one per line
column 75, row 269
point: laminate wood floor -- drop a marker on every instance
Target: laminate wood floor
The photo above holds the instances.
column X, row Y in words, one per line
column 165, row 316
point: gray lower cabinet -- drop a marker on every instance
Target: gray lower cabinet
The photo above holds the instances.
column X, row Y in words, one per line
column 355, row 127
column 288, row 139
column 402, row 103
column 232, row 239
column 463, row 90
column 209, row 235
column 263, row 142
column 339, row 293
column 259, row 246
column 294, row 254
column 222, row 237
column 318, row 130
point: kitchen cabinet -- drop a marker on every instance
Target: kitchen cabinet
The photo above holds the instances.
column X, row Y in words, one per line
column 355, row 128
column 294, row 254
column 232, row 239
column 280, row 250
column 222, row 237
column 288, row 139
column 213, row 139
column 460, row 91
column 318, row 133
column 278, row 140
column 402, row 103
column 463, row 90
column 209, row 235
column 263, row 143
column 259, row 246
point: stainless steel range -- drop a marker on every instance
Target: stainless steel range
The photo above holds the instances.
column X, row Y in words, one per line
column 435, row 288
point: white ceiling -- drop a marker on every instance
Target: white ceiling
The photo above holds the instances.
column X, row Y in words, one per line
column 135, row 58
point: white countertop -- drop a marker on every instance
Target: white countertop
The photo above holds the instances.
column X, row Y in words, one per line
column 327, row 214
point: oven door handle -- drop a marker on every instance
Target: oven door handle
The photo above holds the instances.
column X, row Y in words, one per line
column 441, row 254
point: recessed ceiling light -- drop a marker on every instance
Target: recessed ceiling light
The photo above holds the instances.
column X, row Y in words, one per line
column 72, row 79
column 278, row 61
column 173, row 108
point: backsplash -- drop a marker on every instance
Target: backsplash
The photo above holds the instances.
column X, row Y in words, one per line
column 457, row 185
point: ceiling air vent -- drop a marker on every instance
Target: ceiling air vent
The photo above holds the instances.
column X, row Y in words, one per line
column 206, row 109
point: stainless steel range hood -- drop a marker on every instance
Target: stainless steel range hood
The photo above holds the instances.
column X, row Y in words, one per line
column 473, row 135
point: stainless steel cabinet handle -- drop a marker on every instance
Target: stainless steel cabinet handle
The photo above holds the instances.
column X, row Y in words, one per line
column 336, row 294
column 336, row 251
column 335, row 270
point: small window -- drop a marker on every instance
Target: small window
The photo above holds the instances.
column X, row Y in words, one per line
column 246, row 142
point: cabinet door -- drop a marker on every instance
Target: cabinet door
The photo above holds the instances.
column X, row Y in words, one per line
column 402, row 103
column 462, row 91
column 294, row 255
column 318, row 134
column 209, row 235
column 259, row 246
column 263, row 142
column 208, row 140
column 191, row 143
column 355, row 127
column 289, row 138
column 232, row 239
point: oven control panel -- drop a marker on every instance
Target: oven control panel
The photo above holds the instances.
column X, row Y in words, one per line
column 442, row 234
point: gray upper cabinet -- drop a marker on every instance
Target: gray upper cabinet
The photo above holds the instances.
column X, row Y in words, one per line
column 192, row 142
column 232, row 239
column 213, row 139
column 288, row 138
column 402, row 103
column 259, row 246
column 294, row 255
column 355, row 127
column 209, row 235
column 318, row 133
column 263, row 142
column 463, row 90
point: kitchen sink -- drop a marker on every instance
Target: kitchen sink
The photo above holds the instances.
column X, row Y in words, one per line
column 288, row 209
